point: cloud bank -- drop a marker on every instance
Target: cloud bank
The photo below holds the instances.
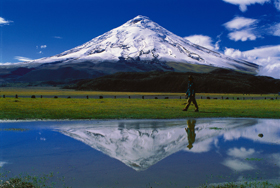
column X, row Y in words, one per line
column 268, row 57
column 275, row 30
column 277, row 4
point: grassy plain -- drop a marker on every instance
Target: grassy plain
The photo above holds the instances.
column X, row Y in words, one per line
column 56, row 91
column 74, row 108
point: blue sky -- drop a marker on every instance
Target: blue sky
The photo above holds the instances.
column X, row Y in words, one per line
column 247, row 29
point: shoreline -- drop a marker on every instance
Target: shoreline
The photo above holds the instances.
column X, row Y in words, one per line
column 107, row 120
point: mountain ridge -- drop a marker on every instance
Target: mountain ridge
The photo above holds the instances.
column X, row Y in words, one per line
column 143, row 39
column 139, row 45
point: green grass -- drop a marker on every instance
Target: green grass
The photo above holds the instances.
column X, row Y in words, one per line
column 25, row 180
column 254, row 184
column 183, row 67
column 55, row 91
column 50, row 108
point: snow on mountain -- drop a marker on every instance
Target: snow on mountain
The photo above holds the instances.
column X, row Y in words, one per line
column 142, row 143
column 141, row 39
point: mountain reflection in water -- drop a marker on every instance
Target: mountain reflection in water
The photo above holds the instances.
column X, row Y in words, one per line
column 142, row 143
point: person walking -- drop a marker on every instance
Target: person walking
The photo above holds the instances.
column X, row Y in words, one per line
column 190, row 94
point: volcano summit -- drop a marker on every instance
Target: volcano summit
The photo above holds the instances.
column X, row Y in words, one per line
column 138, row 45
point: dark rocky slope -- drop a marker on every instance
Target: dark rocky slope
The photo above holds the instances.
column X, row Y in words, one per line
column 217, row 81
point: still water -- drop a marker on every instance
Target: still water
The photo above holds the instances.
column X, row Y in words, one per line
column 144, row 153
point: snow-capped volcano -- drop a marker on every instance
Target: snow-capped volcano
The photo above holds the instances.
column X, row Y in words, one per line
column 139, row 45
column 141, row 39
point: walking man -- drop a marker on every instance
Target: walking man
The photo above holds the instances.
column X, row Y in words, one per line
column 191, row 95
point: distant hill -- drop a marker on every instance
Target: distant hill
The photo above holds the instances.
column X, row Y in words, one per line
column 216, row 81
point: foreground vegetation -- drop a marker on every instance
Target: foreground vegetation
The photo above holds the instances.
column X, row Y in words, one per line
column 25, row 180
column 63, row 108
column 50, row 181
column 262, row 184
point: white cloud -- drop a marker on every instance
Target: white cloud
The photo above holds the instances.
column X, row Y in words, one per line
column 268, row 57
column 271, row 135
column 217, row 44
column 57, row 37
column 202, row 40
column 20, row 58
column 275, row 30
column 233, row 53
column 239, row 23
column 7, row 63
column 201, row 147
column 237, row 165
column 4, row 22
column 242, row 29
column 43, row 46
column 277, row 4
column 40, row 52
column 2, row 164
column 275, row 159
column 240, row 153
column 244, row 3
column 242, row 35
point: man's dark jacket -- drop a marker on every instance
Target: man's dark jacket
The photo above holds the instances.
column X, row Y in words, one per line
column 191, row 89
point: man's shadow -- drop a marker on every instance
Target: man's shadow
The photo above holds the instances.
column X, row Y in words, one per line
column 191, row 132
